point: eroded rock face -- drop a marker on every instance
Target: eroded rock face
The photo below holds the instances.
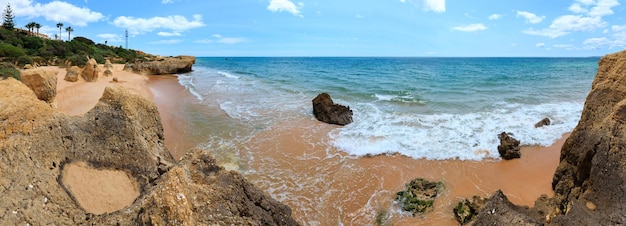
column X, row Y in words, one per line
column 168, row 65
column 90, row 72
column 509, row 147
column 42, row 82
column 326, row 111
column 500, row 211
column 121, row 132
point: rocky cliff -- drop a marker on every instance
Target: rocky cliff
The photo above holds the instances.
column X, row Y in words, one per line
column 122, row 132
column 590, row 181
column 160, row 66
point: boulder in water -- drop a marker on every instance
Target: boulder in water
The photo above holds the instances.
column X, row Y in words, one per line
column 509, row 147
column 326, row 111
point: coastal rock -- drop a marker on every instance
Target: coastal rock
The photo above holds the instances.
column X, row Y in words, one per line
column 128, row 67
column 326, row 111
column 543, row 122
column 168, row 65
column 590, row 181
column 108, row 65
column 43, row 83
column 467, row 209
column 509, row 147
column 498, row 210
column 419, row 195
column 122, row 132
column 90, row 72
column 72, row 74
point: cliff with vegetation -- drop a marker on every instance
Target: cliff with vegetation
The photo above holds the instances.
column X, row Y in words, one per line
column 590, row 181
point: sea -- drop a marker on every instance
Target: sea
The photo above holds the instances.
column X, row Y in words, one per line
column 255, row 115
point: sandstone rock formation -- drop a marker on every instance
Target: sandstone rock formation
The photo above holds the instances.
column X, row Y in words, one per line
column 543, row 122
column 91, row 71
column 509, row 147
column 122, row 132
column 72, row 74
column 168, row 65
column 107, row 73
column 42, row 82
column 467, row 209
column 326, row 111
column 590, row 181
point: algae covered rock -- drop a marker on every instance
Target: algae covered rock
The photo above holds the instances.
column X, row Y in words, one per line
column 467, row 209
column 419, row 195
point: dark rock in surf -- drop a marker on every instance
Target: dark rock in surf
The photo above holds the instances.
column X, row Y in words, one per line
column 543, row 122
column 509, row 147
column 326, row 111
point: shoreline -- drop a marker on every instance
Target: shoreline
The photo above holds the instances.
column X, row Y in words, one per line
column 522, row 180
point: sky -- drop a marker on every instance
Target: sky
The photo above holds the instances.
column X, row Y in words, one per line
column 421, row 28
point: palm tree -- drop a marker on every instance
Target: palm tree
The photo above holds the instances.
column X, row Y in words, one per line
column 69, row 30
column 37, row 25
column 60, row 25
column 31, row 27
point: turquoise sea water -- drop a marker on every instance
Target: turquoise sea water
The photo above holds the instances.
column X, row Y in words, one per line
column 433, row 108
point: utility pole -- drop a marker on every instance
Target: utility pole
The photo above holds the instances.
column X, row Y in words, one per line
column 126, row 38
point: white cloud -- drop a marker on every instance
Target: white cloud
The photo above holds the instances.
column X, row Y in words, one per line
column 438, row 6
column 168, row 1
column 596, row 43
column 285, row 5
column 223, row 40
column 56, row 11
column 587, row 17
column 170, row 41
column 204, row 41
column 358, row 16
column 530, row 17
column 540, row 45
column 470, row 28
column 169, row 34
column 564, row 46
column 175, row 23
column 495, row 17
column 231, row 40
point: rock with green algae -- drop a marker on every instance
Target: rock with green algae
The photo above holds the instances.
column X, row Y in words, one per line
column 467, row 209
column 419, row 195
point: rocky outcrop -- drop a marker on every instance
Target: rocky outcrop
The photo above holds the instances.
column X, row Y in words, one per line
column 91, row 71
column 42, row 82
column 500, row 211
column 168, row 65
column 419, row 195
column 326, row 111
column 72, row 73
column 590, row 181
column 509, row 147
column 543, row 122
column 122, row 132
column 466, row 210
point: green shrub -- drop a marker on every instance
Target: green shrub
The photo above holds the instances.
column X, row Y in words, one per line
column 23, row 60
column 8, row 71
column 78, row 60
column 9, row 50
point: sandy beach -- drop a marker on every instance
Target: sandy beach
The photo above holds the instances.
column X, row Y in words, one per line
column 357, row 182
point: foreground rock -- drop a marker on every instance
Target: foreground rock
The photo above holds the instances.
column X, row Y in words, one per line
column 466, row 210
column 91, row 71
column 72, row 74
column 122, row 132
column 42, row 82
column 419, row 195
column 590, row 181
column 509, row 147
column 326, row 111
column 168, row 65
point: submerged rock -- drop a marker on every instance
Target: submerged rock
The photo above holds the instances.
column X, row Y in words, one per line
column 543, row 122
column 419, row 195
column 326, row 111
column 509, row 147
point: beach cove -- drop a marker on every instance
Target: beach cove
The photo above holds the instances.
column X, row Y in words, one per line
column 298, row 165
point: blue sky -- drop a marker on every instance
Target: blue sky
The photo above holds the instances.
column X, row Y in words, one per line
column 340, row 27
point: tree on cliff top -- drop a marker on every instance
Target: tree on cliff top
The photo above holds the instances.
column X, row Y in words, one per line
column 8, row 16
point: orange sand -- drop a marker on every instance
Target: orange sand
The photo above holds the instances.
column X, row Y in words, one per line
column 99, row 191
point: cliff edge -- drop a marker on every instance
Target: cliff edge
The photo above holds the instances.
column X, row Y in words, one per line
column 123, row 132
column 589, row 183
